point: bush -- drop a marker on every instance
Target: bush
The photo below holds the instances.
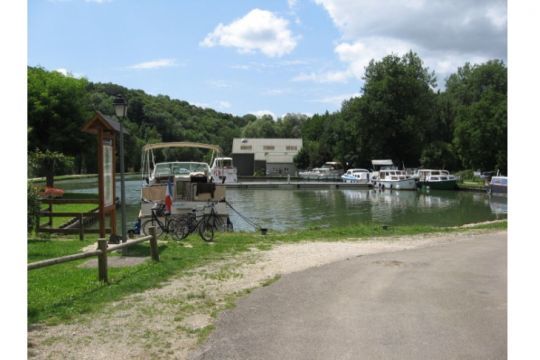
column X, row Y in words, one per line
column 33, row 206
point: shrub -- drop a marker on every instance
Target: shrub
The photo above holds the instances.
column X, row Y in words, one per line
column 33, row 206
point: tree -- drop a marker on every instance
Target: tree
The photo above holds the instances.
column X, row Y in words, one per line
column 57, row 108
column 301, row 160
column 263, row 127
column 47, row 163
column 480, row 130
column 395, row 112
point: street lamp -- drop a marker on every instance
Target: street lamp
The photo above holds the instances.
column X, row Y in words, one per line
column 120, row 108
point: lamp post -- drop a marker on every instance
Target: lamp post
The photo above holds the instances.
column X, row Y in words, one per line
column 120, row 108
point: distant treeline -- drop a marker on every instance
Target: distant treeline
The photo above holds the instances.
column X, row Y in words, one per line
column 399, row 116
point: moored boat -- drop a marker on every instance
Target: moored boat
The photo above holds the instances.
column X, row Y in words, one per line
column 356, row 176
column 331, row 170
column 436, row 179
column 188, row 184
column 393, row 179
column 223, row 170
column 498, row 185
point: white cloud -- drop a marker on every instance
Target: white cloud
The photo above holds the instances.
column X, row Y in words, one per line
column 224, row 104
column 62, row 71
column 336, row 100
column 68, row 73
column 324, row 77
column 98, row 1
column 154, row 64
column 259, row 30
column 261, row 113
column 444, row 33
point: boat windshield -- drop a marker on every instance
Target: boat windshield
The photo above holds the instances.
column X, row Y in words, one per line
column 224, row 163
column 179, row 168
column 499, row 181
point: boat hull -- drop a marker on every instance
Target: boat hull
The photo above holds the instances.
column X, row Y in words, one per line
column 405, row 184
column 354, row 180
column 498, row 189
column 438, row 185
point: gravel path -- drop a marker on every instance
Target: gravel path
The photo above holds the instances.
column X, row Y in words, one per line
column 167, row 323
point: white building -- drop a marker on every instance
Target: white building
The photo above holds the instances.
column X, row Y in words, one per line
column 273, row 157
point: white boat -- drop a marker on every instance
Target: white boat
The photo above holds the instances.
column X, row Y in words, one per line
column 190, row 182
column 331, row 170
column 356, row 176
column 223, row 171
column 393, row 179
column 498, row 184
column 378, row 165
column 436, row 179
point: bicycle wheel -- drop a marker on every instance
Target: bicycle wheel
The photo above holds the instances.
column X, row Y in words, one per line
column 206, row 229
column 147, row 224
column 178, row 229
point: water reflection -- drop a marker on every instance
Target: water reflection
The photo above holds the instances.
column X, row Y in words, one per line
column 295, row 209
column 498, row 204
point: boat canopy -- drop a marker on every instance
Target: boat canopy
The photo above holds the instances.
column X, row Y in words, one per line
column 148, row 159
column 382, row 162
column 182, row 144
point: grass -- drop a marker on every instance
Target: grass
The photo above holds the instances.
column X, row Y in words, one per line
column 82, row 208
column 59, row 293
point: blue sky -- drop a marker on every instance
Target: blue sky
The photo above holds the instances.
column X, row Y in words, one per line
column 279, row 56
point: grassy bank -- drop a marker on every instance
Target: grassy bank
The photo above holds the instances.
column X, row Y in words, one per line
column 59, row 293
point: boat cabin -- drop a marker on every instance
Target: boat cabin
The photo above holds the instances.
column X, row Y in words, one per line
column 434, row 175
column 393, row 175
column 190, row 180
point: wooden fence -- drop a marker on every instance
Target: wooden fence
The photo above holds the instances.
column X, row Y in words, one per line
column 101, row 253
column 47, row 227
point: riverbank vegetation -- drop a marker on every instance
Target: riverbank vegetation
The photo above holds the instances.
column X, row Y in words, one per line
column 401, row 115
column 61, row 292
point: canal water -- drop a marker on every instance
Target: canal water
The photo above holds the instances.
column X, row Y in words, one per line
column 298, row 209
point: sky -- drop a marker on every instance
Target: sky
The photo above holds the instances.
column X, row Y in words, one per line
column 276, row 57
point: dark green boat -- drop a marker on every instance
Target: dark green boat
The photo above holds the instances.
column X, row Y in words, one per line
column 436, row 180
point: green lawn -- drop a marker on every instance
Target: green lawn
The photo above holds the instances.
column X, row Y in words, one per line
column 79, row 208
column 60, row 292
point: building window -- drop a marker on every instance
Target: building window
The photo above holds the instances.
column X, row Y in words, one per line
column 292, row 148
column 245, row 147
column 269, row 147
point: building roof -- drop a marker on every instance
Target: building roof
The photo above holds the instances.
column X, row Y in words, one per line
column 110, row 123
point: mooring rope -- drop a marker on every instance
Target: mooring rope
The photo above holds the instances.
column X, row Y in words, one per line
column 242, row 216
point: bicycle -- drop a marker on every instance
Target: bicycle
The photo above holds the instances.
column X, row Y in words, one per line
column 205, row 223
column 169, row 226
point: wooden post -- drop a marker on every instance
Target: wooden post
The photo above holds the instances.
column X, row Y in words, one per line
column 100, row 185
column 81, row 227
column 102, row 260
column 153, row 244
column 38, row 219
column 50, row 217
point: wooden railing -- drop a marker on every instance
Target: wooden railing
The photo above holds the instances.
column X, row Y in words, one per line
column 47, row 227
column 101, row 252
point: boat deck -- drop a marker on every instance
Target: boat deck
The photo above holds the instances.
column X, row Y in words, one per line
column 293, row 185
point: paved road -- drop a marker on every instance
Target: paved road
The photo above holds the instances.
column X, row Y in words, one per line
column 442, row 302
